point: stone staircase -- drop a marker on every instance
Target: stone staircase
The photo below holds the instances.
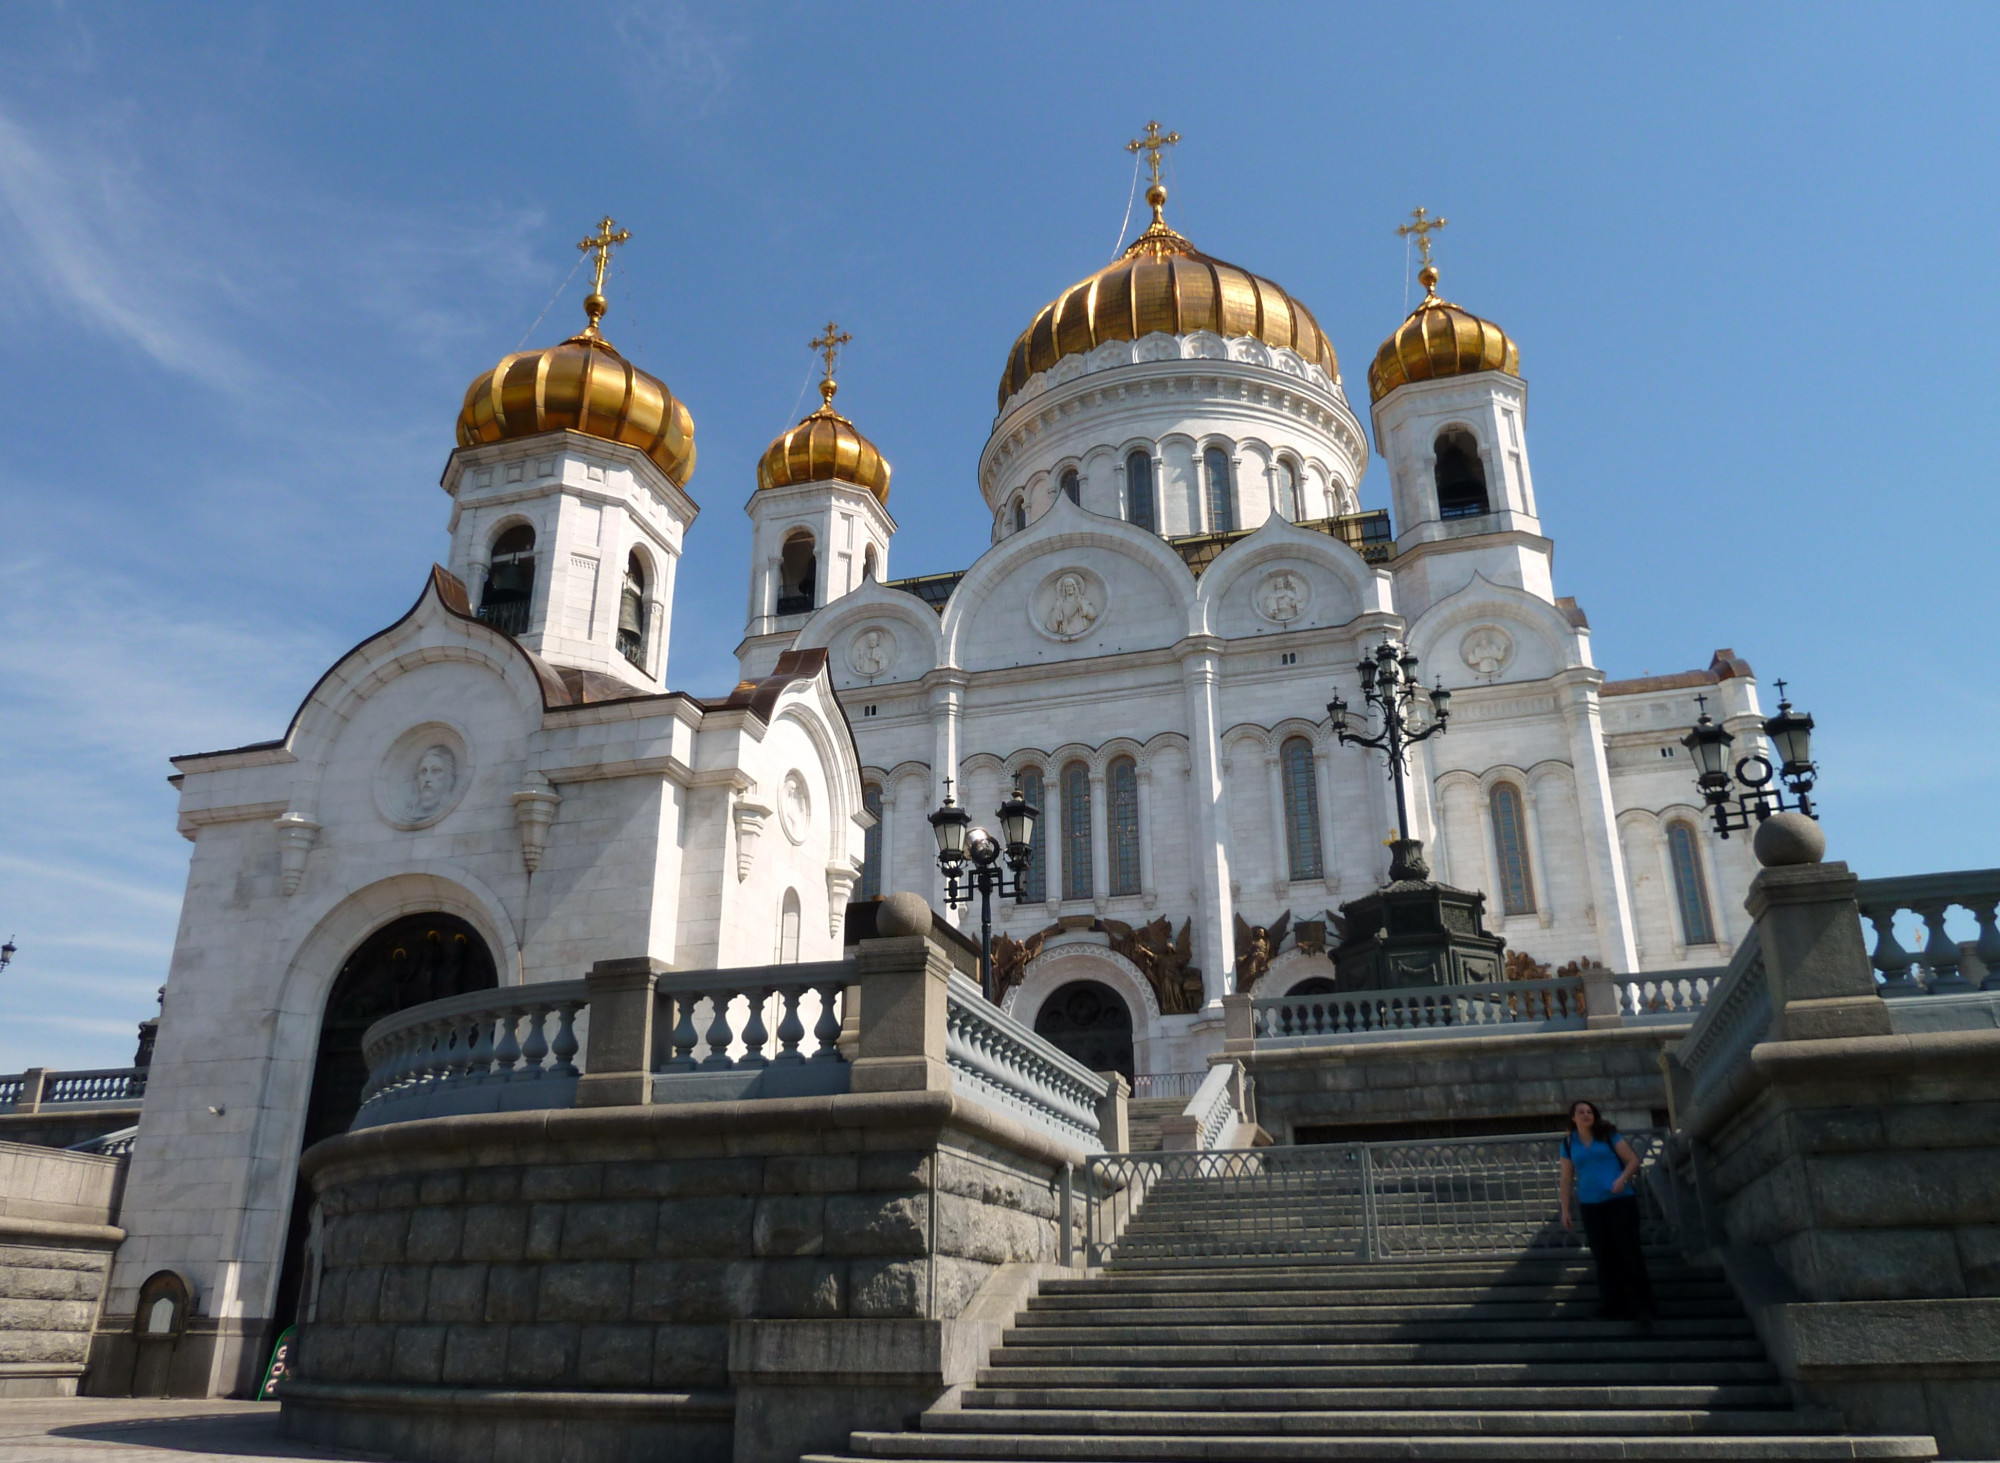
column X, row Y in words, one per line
column 1168, row 1360
column 1144, row 1116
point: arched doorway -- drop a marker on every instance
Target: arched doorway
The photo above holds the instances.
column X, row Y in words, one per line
column 419, row 958
column 1318, row 985
column 1088, row 1020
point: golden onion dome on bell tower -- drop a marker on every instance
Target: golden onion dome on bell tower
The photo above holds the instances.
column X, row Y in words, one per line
column 825, row 446
column 1440, row 339
column 582, row 385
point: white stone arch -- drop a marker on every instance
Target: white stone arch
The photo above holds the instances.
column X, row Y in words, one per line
column 1565, row 645
column 1277, row 539
column 1246, row 734
column 1161, row 743
column 874, row 600
column 1295, row 966
column 510, row 518
column 1316, row 733
column 1117, row 747
column 841, row 765
column 1054, row 969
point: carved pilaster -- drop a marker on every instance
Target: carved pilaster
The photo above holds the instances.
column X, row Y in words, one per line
column 749, row 827
column 840, row 879
column 296, row 835
column 534, row 811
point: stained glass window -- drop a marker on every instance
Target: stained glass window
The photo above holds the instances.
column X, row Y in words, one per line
column 1689, row 887
column 1295, row 762
column 1510, row 840
column 871, row 843
column 1123, row 780
column 1221, row 492
column 1139, row 490
column 1076, row 831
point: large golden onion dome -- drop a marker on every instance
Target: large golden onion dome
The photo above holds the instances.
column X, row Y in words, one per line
column 1439, row 339
column 583, row 385
column 1162, row 282
column 825, row 445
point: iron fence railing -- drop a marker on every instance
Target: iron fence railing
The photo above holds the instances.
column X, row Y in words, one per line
column 1354, row 1202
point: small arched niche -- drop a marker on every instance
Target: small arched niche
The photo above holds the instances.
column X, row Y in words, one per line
column 798, row 574
column 1461, row 476
column 510, row 581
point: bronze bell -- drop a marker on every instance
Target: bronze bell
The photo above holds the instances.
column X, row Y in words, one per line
column 631, row 613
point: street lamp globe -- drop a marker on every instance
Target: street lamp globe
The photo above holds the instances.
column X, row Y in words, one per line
column 1017, row 827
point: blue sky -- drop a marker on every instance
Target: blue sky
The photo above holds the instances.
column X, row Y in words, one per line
column 250, row 255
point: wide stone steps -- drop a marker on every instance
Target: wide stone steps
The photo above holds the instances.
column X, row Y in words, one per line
column 1468, row 1361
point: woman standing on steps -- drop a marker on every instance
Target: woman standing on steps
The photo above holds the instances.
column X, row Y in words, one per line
column 1598, row 1168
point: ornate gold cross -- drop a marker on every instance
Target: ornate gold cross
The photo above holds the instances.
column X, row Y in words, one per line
column 1423, row 226
column 1150, row 145
column 604, row 243
column 828, row 345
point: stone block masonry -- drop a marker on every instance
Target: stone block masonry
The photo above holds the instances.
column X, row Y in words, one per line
column 57, row 1235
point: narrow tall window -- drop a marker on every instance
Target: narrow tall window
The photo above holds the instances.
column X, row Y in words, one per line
column 788, row 929
column 1288, row 492
column 1076, row 831
column 1020, row 515
column 1461, row 476
column 1072, row 486
column 798, row 574
column 871, row 844
column 632, row 612
column 1221, row 491
column 1139, row 490
column 510, row 582
column 1510, row 843
column 1035, row 878
column 1690, row 889
column 1122, row 779
column 1301, row 784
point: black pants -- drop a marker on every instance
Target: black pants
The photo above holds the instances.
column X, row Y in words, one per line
column 1612, row 1228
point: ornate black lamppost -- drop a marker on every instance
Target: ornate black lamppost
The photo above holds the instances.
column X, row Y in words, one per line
column 970, row 858
column 1389, row 685
column 1791, row 739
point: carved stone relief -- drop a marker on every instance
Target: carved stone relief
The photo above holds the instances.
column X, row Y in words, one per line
column 1486, row 649
column 1069, row 604
column 422, row 777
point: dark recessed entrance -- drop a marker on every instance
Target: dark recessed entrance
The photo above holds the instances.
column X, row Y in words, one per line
column 1089, row 1021
column 421, row 957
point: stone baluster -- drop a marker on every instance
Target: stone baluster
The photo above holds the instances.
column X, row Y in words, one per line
column 480, row 1064
column 719, row 1037
column 1988, row 948
column 563, row 1048
column 755, row 1033
column 1890, row 958
column 535, row 1050
column 687, row 1035
column 507, row 1048
column 826, row 1030
column 1940, row 954
column 791, row 1030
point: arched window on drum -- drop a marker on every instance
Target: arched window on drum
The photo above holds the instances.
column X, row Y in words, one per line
column 1301, row 788
column 1072, row 485
column 871, row 843
column 1035, row 878
column 1221, row 491
column 1122, row 786
column 1690, row 888
column 1510, row 848
column 1290, row 506
column 1076, row 880
column 1139, row 490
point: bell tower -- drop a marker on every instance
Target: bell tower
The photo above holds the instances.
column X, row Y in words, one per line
column 820, row 521
column 569, row 502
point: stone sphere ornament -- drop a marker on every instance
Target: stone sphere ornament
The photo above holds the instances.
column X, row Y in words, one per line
column 1785, row 840
column 903, row 913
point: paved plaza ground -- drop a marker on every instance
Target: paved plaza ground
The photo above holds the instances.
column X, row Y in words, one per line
column 145, row 1430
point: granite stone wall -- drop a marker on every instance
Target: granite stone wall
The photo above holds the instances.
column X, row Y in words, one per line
column 57, row 1235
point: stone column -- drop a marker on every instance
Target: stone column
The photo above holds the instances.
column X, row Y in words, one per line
column 1201, row 673
column 947, row 698
column 1147, row 888
column 904, row 981
column 1100, row 843
column 1545, row 904
column 1281, row 844
column 1604, row 863
column 1329, row 860
column 618, row 1063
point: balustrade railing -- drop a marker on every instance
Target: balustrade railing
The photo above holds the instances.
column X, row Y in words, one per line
column 1937, row 966
column 1678, row 996
column 748, row 1021
column 516, row 1035
column 999, row 1061
column 1555, row 1004
column 101, row 1085
column 1214, row 1105
column 1736, row 1018
column 1167, row 1084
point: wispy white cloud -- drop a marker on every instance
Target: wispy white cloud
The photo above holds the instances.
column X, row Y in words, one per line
column 664, row 45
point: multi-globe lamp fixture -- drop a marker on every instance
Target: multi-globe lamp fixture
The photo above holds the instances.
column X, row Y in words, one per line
column 971, row 859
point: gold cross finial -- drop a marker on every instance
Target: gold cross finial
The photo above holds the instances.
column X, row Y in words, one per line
column 1151, row 144
column 1422, row 225
column 828, row 345
column 609, row 237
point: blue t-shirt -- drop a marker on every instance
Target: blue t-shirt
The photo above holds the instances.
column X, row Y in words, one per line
column 1597, row 1168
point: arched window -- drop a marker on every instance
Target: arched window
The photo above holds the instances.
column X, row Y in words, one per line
column 632, row 612
column 798, row 574
column 1122, row 779
column 868, row 562
column 1690, row 889
column 1301, row 784
column 871, row 843
column 510, row 583
column 1510, row 844
column 1076, row 831
column 1289, row 504
column 788, row 929
column 1461, row 477
column 1221, row 491
column 1035, row 878
column 1072, row 485
column 1020, row 515
column 1139, row 490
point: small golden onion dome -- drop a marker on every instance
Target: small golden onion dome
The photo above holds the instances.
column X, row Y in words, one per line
column 583, row 385
column 1163, row 283
column 1438, row 340
column 824, row 446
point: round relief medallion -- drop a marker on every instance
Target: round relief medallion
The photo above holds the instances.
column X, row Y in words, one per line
column 872, row 652
column 1069, row 604
column 423, row 776
column 795, row 809
column 1486, row 649
column 1283, row 596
